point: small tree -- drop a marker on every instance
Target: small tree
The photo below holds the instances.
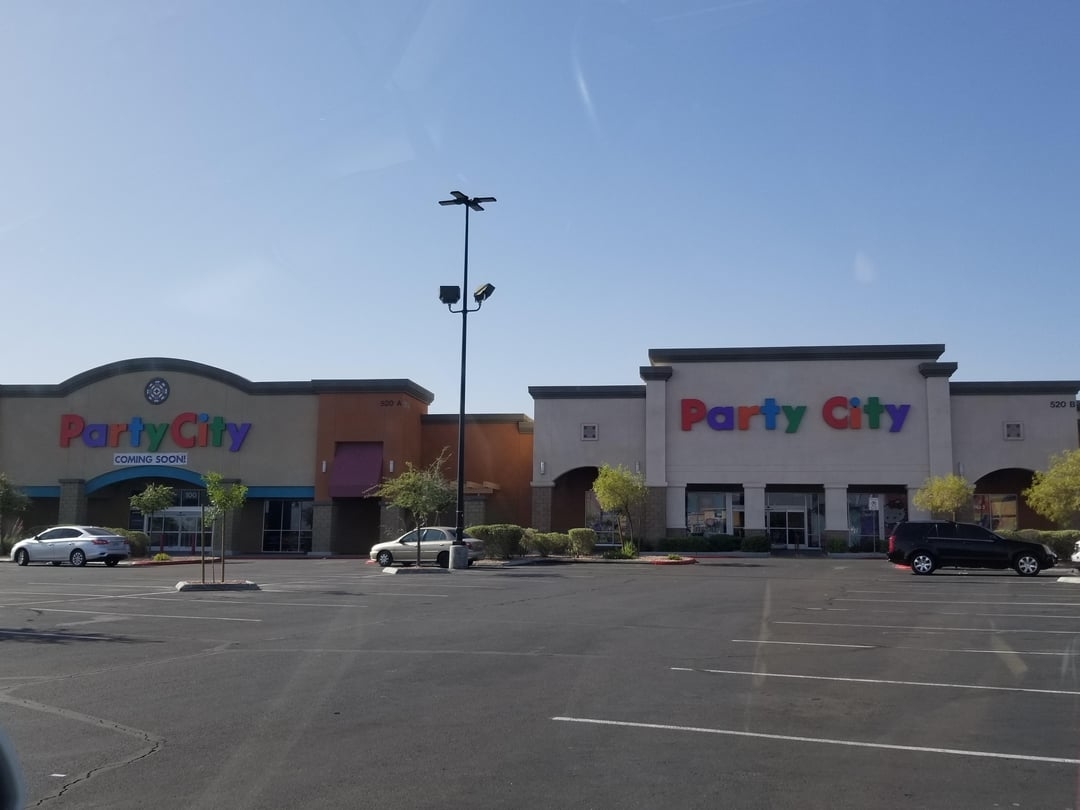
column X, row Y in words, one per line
column 944, row 494
column 1055, row 494
column 619, row 490
column 153, row 499
column 224, row 500
column 13, row 501
column 419, row 492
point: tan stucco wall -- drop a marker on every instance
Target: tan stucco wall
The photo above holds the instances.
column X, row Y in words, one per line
column 278, row 450
column 816, row 453
column 979, row 442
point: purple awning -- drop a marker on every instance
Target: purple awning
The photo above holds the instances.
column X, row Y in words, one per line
column 357, row 469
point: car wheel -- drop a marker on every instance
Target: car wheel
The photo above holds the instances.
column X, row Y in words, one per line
column 384, row 558
column 1027, row 565
column 922, row 563
column 78, row 558
column 22, row 557
column 443, row 560
column 56, row 563
column 112, row 563
column 471, row 561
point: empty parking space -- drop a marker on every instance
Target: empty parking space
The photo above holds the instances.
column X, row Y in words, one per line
column 756, row 684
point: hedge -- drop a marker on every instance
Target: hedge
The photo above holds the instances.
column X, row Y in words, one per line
column 756, row 542
column 711, row 543
column 546, row 543
column 138, row 542
column 501, row 540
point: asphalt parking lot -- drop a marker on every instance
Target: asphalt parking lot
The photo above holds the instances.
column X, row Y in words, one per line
column 743, row 683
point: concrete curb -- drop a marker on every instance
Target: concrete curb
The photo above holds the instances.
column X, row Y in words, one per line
column 234, row 585
column 181, row 561
column 683, row 561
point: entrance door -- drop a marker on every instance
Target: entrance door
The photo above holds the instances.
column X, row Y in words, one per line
column 176, row 530
column 787, row 527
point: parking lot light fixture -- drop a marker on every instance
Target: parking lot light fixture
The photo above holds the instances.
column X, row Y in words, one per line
column 482, row 293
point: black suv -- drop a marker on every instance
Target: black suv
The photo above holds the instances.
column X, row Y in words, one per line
column 928, row 544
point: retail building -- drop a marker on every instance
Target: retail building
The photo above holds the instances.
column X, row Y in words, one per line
column 309, row 452
column 800, row 443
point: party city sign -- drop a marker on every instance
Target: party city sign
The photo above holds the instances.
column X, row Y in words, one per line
column 839, row 413
column 187, row 430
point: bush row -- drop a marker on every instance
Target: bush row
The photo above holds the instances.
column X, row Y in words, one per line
column 715, row 543
column 505, row 540
column 502, row 541
column 138, row 542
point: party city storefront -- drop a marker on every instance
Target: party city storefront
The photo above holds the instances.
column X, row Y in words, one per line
column 309, row 453
column 800, row 444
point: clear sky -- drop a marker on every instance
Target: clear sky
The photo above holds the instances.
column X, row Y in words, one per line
column 253, row 184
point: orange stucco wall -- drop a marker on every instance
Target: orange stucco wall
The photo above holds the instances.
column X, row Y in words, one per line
column 393, row 419
column 496, row 451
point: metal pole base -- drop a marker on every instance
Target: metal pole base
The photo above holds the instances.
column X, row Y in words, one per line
column 459, row 557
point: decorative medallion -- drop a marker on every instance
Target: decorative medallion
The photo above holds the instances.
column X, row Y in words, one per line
column 157, row 390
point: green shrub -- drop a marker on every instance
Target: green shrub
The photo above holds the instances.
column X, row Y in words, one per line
column 501, row 540
column 138, row 542
column 837, row 545
column 756, row 543
column 625, row 552
column 546, row 543
column 161, row 556
column 717, row 543
column 582, row 542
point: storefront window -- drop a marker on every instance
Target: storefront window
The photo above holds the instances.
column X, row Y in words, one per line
column 713, row 512
column 605, row 524
column 287, row 526
column 872, row 516
column 996, row 512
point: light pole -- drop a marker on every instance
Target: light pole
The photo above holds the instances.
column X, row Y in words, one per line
column 459, row 556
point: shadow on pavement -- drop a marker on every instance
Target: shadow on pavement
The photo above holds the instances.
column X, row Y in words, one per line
column 28, row 634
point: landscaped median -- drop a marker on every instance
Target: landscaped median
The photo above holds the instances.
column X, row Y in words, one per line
column 227, row 585
column 672, row 559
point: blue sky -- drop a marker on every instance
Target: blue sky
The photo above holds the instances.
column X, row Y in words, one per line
column 254, row 185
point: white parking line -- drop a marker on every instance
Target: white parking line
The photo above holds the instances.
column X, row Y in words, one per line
column 1065, row 654
column 806, row 644
column 958, row 602
column 147, row 615
column 946, row 629
column 1006, row 615
column 409, row 595
column 823, row 741
column 72, row 597
column 261, row 603
column 92, row 585
column 878, row 681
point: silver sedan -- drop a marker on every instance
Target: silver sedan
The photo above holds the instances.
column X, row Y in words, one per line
column 77, row 545
column 434, row 547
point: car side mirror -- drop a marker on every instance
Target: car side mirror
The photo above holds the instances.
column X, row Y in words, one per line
column 12, row 792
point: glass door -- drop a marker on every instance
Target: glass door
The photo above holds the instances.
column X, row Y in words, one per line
column 786, row 527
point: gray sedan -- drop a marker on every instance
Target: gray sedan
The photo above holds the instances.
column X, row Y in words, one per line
column 77, row 545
